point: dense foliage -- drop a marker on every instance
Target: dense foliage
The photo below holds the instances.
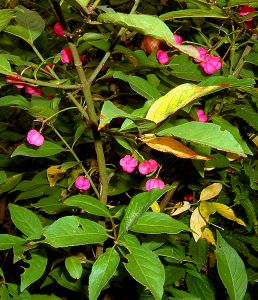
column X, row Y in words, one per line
column 128, row 149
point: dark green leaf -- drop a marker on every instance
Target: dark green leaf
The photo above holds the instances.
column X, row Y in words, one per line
column 10, row 183
column 89, row 204
column 74, row 231
column 38, row 263
column 102, row 270
column 249, row 115
column 47, row 149
column 137, row 206
column 73, row 266
column 173, row 252
column 231, row 269
column 156, row 223
column 26, row 221
column 5, row 67
column 200, row 286
column 206, row 134
column 252, row 3
column 7, row 241
column 199, row 252
column 145, row 267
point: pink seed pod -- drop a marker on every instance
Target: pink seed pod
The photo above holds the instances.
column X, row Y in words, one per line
column 203, row 52
column 154, row 183
column 162, row 57
column 148, row 166
column 35, row 138
column 211, row 65
column 201, row 116
column 82, row 183
column 245, row 10
column 58, row 30
column 128, row 163
column 66, row 56
column 33, row 91
column 178, row 39
column 188, row 197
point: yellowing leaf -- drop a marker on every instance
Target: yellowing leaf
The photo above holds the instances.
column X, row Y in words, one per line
column 232, row 156
column 170, row 145
column 227, row 212
column 197, row 223
column 206, row 209
column 208, row 236
column 176, row 99
column 54, row 173
column 211, row 191
column 180, row 208
column 155, row 207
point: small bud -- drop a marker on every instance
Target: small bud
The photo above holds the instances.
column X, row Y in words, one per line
column 148, row 166
column 128, row 163
column 162, row 57
column 35, row 138
column 58, row 30
column 188, row 197
column 82, row 183
column 178, row 39
column 154, row 183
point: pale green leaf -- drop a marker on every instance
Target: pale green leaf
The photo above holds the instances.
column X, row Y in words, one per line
column 193, row 13
column 74, row 266
column 156, row 223
column 7, row 241
column 29, row 24
column 206, row 134
column 231, row 269
column 176, row 99
column 37, row 266
column 26, row 221
column 89, row 204
column 47, row 149
column 102, row 270
column 6, row 16
column 74, row 231
column 145, row 267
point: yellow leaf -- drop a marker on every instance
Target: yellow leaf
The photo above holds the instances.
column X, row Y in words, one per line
column 176, row 99
column 227, row 212
column 196, row 224
column 178, row 209
column 170, row 145
column 208, row 236
column 155, row 207
column 211, row 191
column 54, row 173
column 206, row 209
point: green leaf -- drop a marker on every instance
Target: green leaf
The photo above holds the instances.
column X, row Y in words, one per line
column 225, row 125
column 15, row 100
column 74, row 266
column 89, row 204
column 5, row 67
column 74, row 231
column 252, row 3
column 156, row 223
column 101, row 272
column 199, row 252
column 145, row 267
column 206, row 134
column 10, row 183
column 176, row 99
column 51, row 205
column 83, row 3
column 248, row 115
column 38, row 263
column 47, row 149
column 4, row 294
column 26, row 221
column 227, row 81
column 200, row 286
column 231, row 269
column 3, row 177
column 174, row 252
column 139, row 85
column 7, row 241
column 147, row 25
column 137, row 206
column 193, row 13
column 29, row 24
column 110, row 111
column 6, row 16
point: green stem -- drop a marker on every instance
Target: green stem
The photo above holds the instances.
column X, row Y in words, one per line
column 79, row 106
column 60, row 111
column 76, row 158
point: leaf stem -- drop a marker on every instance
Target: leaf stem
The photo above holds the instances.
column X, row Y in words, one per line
column 168, row 195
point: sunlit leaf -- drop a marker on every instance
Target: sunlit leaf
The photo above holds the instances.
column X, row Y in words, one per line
column 176, row 99
column 170, row 145
column 208, row 236
column 74, row 266
column 227, row 212
column 6, row 16
column 7, row 241
column 211, row 191
column 197, row 223
column 54, row 173
column 180, row 208
column 206, row 209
